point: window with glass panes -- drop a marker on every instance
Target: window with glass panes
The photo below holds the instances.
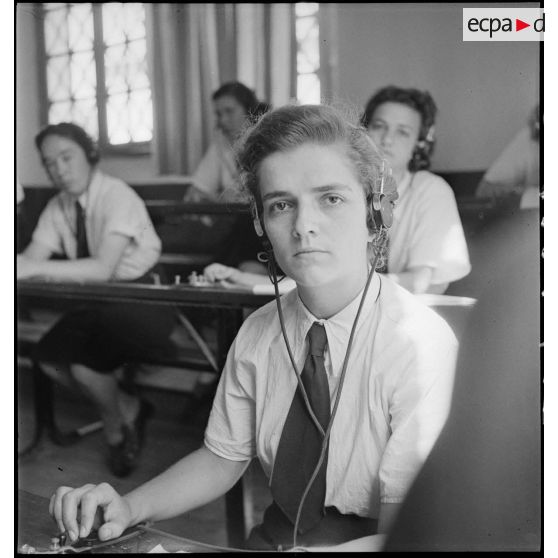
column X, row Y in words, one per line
column 96, row 70
column 307, row 53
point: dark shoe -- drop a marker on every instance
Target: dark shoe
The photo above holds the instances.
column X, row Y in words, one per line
column 123, row 457
column 146, row 411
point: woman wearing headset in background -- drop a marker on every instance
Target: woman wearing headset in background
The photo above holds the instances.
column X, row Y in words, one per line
column 103, row 229
column 313, row 177
column 427, row 248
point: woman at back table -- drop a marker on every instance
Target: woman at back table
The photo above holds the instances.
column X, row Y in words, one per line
column 427, row 248
column 102, row 228
column 216, row 177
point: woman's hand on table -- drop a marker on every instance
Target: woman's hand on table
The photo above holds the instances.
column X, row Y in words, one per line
column 216, row 272
column 25, row 267
column 74, row 510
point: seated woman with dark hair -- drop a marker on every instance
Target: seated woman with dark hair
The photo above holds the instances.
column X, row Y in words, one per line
column 103, row 229
column 427, row 248
column 217, row 175
column 235, row 107
column 217, row 179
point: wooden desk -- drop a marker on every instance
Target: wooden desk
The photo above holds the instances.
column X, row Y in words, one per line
column 35, row 528
column 163, row 208
column 228, row 302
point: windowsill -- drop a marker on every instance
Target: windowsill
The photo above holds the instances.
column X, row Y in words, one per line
column 128, row 150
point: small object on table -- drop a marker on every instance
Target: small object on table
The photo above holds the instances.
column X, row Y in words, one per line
column 196, row 280
column 177, row 279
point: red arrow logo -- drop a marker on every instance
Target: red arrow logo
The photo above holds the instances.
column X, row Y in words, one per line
column 519, row 24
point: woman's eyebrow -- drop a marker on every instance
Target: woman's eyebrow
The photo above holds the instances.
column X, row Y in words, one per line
column 406, row 126
column 275, row 194
column 399, row 125
column 63, row 152
column 334, row 187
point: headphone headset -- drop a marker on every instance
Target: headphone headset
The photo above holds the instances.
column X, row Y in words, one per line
column 93, row 155
column 381, row 208
column 424, row 145
column 379, row 211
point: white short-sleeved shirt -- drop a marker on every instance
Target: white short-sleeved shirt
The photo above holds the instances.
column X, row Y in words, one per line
column 217, row 172
column 394, row 402
column 427, row 229
column 111, row 207
column 516, row 168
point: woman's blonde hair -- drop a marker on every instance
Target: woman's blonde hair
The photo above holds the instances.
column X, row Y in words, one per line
column 291, row 126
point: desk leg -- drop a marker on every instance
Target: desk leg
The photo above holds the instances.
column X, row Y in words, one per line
column 229, row 324
column 42, row 404
column 234, row 503
column 44, row 410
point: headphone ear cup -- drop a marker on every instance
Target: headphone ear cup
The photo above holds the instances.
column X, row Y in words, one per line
column 93, row 155
column 261, row 234
column 381, row 211
column 258, row 227
column 386, row 211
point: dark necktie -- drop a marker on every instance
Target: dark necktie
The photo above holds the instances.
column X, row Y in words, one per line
column 82, row 250
column 301, row 441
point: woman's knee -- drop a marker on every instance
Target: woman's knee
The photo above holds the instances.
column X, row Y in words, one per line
column 84, row 375
column 55, row 371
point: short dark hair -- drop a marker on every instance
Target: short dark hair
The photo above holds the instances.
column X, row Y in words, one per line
column 75, row 133
column 244, row 95
column 291, row 126
column 424, row 104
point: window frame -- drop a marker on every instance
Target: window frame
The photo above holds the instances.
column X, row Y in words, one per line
column 128, row 149
column 317, row 16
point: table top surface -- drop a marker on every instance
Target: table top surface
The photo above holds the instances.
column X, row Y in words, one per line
column 35, row 528
column 182, row 293
column 171, row 207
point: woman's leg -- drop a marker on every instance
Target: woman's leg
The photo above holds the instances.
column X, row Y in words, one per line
column 129, row 406
column 59, row 373
column 102, row 389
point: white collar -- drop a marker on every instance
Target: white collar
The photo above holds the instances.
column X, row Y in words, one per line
column 404, row 185
column 86, row 198
column 338, row 326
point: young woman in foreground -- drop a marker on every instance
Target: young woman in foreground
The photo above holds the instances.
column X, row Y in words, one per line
column 312, row 176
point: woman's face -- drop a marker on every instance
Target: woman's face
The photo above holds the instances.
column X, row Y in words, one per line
column 230, row 116
column 314, row 213
column 395, row 129
column 66, row 164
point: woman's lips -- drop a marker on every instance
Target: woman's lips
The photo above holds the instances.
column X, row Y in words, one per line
column 309, row 251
